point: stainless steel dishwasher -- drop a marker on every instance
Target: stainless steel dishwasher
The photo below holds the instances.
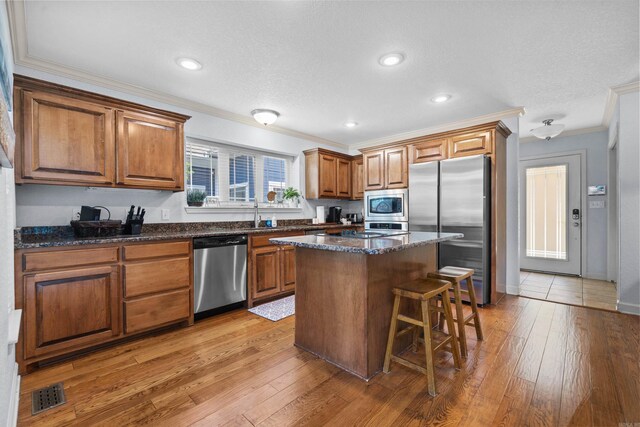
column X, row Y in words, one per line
column 220, row 271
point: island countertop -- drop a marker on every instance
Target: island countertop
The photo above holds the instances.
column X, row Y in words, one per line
column 371, row 246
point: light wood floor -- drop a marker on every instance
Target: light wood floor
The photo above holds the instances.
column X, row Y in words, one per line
column 541, row 363
column 569, row 290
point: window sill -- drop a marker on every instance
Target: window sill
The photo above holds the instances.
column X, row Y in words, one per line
column 236, row 209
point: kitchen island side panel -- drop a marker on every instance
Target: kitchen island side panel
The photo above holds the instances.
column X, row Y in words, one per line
column 344, row 303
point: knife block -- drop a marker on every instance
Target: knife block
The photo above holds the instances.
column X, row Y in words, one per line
column 133, row 227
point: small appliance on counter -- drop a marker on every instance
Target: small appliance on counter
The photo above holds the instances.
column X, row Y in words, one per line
column 335, row 213
column 90, row 225
column 134, row 222
column 355, row 218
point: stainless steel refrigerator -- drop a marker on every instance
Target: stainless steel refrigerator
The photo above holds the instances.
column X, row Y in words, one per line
column 452, row 196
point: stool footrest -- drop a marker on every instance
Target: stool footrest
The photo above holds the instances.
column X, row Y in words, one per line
column 405, row 331
column 410, row 365
column 403, row 318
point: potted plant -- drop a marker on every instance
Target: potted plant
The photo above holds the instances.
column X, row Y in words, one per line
column 292, row 196
column 195, row 197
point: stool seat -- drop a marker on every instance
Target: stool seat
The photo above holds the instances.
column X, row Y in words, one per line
column 449, row 272
column 455, row 276
column 422, row 289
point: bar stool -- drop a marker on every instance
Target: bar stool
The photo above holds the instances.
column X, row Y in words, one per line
column 455, row 276
column 422, row 290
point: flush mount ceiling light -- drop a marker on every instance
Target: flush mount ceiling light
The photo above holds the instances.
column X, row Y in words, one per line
column 189, row 64
column 351, row 124
column 548, row 130
column 441, row 98
column 265, row 117
column 391, row 59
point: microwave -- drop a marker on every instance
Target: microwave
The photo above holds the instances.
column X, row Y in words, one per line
column 387, row 205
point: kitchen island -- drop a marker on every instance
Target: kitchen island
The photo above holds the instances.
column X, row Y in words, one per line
column 343, row 292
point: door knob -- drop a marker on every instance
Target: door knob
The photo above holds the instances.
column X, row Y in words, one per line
column 576, row 224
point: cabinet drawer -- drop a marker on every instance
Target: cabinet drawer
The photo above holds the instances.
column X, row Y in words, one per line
column 156, row 310
column 71, row 258
column 263, row 240
column 156, row 250
column 156, row 276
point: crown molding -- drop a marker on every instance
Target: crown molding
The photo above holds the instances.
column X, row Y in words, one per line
column 571, row 132
column 613, row 94
column 17, row 25
column 493, row 117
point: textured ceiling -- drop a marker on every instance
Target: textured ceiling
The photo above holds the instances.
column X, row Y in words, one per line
column 316, row 62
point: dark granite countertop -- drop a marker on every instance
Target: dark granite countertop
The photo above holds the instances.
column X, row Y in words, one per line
column 44, row 237
column 374, row 246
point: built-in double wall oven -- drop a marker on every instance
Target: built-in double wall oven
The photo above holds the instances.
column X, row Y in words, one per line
column 386, row 209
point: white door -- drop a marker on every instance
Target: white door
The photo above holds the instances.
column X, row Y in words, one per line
column 551, row 214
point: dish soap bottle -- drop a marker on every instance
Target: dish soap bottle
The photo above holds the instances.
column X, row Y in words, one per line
column 274, row 221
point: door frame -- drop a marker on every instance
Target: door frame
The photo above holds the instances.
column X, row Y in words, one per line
column 583, row 197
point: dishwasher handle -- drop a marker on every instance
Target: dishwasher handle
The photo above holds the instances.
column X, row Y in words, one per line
column 218, row 241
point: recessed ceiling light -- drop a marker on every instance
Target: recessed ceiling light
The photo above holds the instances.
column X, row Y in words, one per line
column 189, row 64
column 391, row 59
column 351, row 124
column 265, row 117
column 441, row 98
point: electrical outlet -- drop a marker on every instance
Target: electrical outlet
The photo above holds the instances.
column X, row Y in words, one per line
column 75, row 214
column 165, row 214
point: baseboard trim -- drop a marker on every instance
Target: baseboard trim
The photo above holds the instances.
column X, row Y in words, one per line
column 625, row 307
column 595, row 276
column 513, row 290
column 14, row 398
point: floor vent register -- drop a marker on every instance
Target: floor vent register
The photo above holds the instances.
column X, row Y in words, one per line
column 47, row 398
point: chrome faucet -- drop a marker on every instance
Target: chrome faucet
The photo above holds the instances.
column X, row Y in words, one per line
column 256, row 217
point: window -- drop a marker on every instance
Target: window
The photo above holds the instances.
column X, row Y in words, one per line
column 274, row 176
column 233, row 175
column 546, row 208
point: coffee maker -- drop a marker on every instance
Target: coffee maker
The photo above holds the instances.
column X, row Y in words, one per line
column 335, row 213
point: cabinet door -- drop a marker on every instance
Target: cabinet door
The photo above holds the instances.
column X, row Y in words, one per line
column 150, row 151
column 396, row 168
column 429, row 151
column 344, row 177
column 373, row 170
column 265, row 271
column 72, row 309
column 328, row 178
column 65, row 139
column 288, row 268
column 470, row 144
column 357, row 178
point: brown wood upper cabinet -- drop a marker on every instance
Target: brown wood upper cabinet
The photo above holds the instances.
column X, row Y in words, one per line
column 357, row 178
column 150, row 151
column 386, row 168
column 328, row 175
column 67, row 136
column 429, row 151
column 66, row 140
column 470, row 144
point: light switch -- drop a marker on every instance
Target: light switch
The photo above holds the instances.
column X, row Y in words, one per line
column 596, row 204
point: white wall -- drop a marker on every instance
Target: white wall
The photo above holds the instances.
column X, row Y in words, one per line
column 629, row 202
column 53, row 205
column 595, row 145
column 9, row 380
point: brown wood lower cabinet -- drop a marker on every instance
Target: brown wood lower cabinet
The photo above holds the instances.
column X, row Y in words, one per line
column 76, row 299
column 272, row 268
column 70, row 309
